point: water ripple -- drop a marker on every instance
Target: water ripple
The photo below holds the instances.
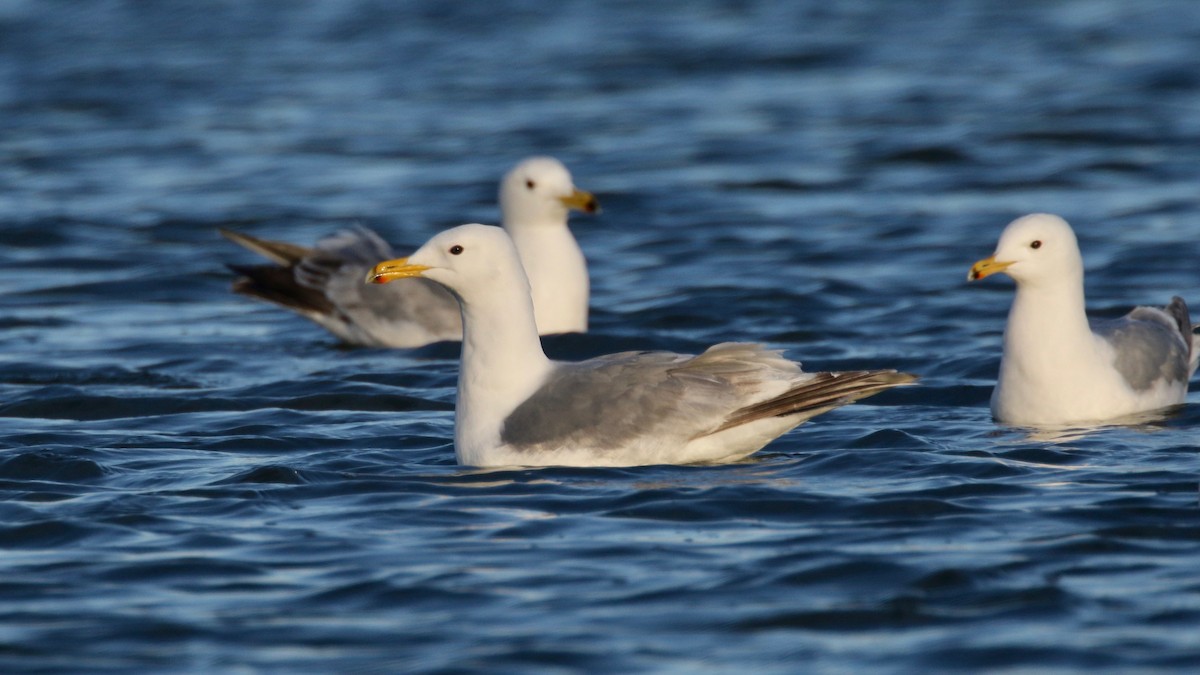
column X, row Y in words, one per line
column 195, row 482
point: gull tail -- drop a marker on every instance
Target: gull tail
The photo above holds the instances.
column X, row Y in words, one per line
column 823, row 392
column 278, row 283
column 278, row 252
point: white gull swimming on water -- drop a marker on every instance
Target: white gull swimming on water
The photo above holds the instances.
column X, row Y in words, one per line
column 515, row 407
column 324, row 283
column 1058, row 367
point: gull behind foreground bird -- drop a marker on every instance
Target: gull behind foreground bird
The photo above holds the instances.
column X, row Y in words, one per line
column 1058, row 367
column 515, row 407
column 324, row 283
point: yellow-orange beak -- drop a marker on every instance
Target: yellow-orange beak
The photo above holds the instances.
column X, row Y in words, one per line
column 388, row 270
column 580, row 200
column 986, row 268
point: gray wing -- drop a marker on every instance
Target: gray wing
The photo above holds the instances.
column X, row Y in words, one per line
column 326, row 284
column 608, row 401
column 1151, row 345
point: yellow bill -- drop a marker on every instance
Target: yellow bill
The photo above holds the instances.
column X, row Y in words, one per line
column 581, row 200
column 389, row 270
column 987, row 267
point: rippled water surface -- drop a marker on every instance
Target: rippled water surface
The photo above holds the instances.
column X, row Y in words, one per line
column 192, row 481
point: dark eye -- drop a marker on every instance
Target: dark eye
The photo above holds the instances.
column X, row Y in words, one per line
column 1037, row 243
column 530, row 184
column 456, row 249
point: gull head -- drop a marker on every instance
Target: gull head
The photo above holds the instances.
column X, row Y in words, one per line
column 1036, row 248
column 539, row 191
column 466, row 259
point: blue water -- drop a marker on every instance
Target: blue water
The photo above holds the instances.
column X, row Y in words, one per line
column 191, row 481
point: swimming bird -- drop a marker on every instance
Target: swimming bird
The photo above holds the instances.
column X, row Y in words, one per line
column 1058, row 367
column 515, row 407
column 324, row 283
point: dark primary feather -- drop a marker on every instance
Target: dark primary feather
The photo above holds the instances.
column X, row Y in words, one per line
column 278, row 285
column 279, row 252
column 1178, row 310
column 826, row 390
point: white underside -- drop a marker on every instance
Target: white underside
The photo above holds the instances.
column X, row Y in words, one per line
column 1088, row 400
column 727, row 446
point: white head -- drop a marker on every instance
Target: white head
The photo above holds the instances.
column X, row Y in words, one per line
column 469, row 260
column 539, row 191
column 1036, row 249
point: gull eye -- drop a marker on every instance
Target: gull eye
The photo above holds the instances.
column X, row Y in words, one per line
column 456, row 249
column 1037, row 243
column 530, row 184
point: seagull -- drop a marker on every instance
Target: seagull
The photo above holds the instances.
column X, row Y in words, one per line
column 324, row 283
column 1058, row 367
column 515, row 407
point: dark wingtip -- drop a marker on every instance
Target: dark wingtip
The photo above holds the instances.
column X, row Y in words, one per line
column 825, row 391
column 1178, row 310
column 278, row 285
